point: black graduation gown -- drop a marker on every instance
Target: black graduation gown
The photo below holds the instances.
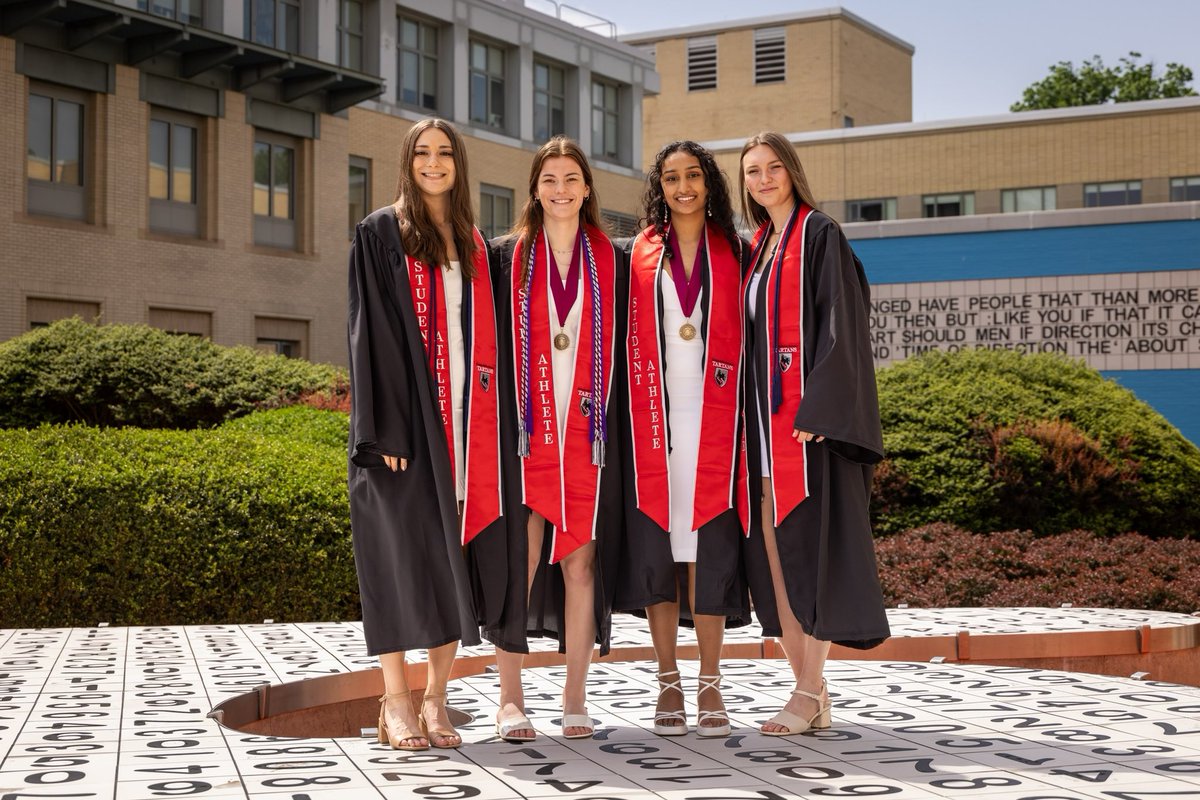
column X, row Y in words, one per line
column 412, row 578
column 497, row 558
column 648, row 573
column 825, row 544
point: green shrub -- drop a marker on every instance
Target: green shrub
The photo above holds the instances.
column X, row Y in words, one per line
column 154, row 527
column 997, row 440
column 135, row 375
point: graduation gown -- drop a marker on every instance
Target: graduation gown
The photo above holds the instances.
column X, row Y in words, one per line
column 825, row 542
column 648, row 572
column 497, row 559
column 413, row 582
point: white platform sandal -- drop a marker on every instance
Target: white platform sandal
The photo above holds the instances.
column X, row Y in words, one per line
column 712, row 682
column 680, row 727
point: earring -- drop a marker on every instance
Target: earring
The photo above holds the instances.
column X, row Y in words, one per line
column 708, row 206
column 666, row 213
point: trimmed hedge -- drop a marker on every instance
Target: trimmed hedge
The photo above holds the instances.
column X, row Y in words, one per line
column 152, row 527
column 999, row 440
column 941, row 566
column 135, row 375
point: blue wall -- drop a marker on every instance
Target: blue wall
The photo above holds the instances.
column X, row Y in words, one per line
column 1083, row 250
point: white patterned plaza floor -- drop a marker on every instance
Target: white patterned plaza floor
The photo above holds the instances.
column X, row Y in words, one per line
column 111, row 712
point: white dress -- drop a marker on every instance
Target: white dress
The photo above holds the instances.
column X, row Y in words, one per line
column 563, row 361
column 684, row 377
column 764, row 450
column 452, row 293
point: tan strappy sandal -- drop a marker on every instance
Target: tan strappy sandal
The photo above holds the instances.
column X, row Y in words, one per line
column 794, row 724
column 400, row 737
column 437, row 733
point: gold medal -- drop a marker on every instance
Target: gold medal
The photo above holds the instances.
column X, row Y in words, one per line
column 687, row 331
column 562, row 341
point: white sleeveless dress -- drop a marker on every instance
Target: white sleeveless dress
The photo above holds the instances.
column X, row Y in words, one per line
column 684, row 378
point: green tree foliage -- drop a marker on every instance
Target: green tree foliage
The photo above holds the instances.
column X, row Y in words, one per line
column 1093, row 83
column 997, row 440
column 135, row 375
column 152, row 527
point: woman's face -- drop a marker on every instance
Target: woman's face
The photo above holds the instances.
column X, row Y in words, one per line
column 766, row 178
column 433, row 168
column 683, row 184
column 561, row 189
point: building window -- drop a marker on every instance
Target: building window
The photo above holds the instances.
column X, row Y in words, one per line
column 606, row 120
column 190, row 12
column 173, row 174
column 487, row 84
column 549, row 101
column 350, row 34
column 618, row 224
column 285, row 337
column 871, row 210
column 54, row 168
column 495, row 210
column 948, row 205
column 187, row 323
column 360, row 190
column 1035, row 198
column 1185, row 189
column 1115, row 193
column 702, row 63
column 275, row 23
column 847, row 121
column 770, row 48
column 42, row 311
column 418, row 64
column 274, row 190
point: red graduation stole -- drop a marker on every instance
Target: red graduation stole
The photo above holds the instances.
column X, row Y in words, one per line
column 560, row 480
column 719, row 472
column 481, row 450
column 784, row 311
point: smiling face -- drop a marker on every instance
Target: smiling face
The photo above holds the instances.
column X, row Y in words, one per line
column 433, row 167
column 766, row 178
column 683, row 184
column 561, row 188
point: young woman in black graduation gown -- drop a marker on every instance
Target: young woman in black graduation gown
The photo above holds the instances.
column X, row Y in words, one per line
column 559, row 279
column 813, row 432
column 424, row 428
column 685, row 478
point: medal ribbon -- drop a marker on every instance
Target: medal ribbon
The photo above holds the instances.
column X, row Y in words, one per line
column 688, row 289
column 435, row 337
column 565, row 294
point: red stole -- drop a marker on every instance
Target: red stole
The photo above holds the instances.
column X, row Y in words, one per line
column 559, row 480
column 481, row 449
column 719, row 471
column 782, row 315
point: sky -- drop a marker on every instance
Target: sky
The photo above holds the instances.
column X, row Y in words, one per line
column 972, row 58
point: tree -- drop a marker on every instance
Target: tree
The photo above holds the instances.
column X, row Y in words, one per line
column 1094, row 84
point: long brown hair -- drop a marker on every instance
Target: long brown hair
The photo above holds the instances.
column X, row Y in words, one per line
column 418, row 232
column 719, row 207
column 529, row 222
column 752, row 212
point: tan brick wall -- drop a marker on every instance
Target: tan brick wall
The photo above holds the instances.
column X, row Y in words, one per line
column 875, row 77
column 119, row 263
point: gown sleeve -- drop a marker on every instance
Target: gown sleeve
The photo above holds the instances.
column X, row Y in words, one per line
column 840, row 400
column 380, row 380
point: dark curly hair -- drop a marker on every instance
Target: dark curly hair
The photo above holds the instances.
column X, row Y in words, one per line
column 718, row 203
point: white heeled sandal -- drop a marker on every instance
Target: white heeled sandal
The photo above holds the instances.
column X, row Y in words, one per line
column 679, row 728
column 712, row 682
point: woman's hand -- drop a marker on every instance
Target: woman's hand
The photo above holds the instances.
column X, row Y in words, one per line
column 805, row 436
column 393, row 462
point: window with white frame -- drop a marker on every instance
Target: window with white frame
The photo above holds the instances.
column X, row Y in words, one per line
column 701, row 63
column 495, row 210
column 56, row 182
column 487, row 84
column 549, row 101
column 1033, row 198
column 1113, row 193
column 275, row 23
column 770, row 51
column 606, row 120
column 874, row 210
column 1185, row 189
column 417, row 64
column 948, row 205
column 350, row 34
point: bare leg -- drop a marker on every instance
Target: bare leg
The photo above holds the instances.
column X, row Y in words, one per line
column 433, row 708
column 510, row 665
column 805, row 655
column 579, row 577
column 664, row 632
column 398, row 706
column 710, row 635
